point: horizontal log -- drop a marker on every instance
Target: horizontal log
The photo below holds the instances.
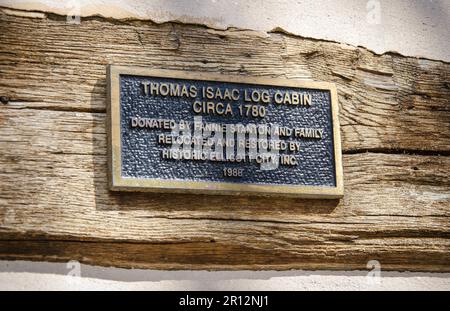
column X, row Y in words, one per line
column 53, row 186
column 217, row 255
column 387, row 102
column 75, row 143
column 66, row 195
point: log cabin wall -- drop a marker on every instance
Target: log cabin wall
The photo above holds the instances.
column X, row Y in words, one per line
column 54, row 199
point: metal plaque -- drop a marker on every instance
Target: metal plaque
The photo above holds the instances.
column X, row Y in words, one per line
column 209, row 133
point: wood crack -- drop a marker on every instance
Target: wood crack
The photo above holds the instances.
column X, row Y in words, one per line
column 417, row 152
column 52, row 108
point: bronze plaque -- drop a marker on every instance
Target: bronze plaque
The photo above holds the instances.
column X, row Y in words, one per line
column 211, row 133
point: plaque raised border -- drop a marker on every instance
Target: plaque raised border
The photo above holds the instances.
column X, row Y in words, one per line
column 118, row 183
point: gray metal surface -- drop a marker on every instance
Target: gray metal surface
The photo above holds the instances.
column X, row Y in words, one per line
column 141, row 153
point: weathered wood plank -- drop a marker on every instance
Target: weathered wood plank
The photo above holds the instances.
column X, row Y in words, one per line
column 54, row 201
column 396, row 209
column 67, row 195
column 222, row 255
column 75, row 143
column 387, row 102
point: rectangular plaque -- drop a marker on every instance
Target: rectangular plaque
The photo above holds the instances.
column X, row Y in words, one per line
column 209, row 133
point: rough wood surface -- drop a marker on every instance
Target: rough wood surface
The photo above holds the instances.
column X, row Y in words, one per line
column 54, row 202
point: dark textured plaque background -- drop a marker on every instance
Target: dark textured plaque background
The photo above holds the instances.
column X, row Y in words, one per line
column 141, row 153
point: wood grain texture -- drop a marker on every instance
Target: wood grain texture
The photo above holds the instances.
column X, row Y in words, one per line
column 54, row 201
